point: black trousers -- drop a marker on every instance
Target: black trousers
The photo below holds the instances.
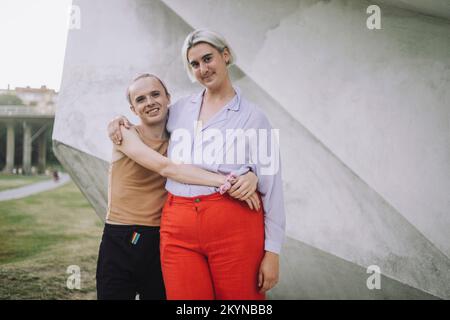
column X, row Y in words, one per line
column 129, row 264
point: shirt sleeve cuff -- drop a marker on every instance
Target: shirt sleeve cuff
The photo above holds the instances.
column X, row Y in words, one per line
column 272, row 246
column 243, row 170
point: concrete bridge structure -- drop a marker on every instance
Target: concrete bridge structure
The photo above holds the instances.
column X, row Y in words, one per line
column 36, row 122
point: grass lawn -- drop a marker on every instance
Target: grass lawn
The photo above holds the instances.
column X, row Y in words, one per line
column 15, row 181
column 40, row 237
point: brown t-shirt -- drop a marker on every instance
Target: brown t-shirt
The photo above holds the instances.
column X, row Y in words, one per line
column 136, row 195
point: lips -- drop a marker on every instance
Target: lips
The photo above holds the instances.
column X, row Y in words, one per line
column 208, row 77
column 152, row 111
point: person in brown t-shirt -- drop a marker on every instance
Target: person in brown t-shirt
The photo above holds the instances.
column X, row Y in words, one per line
column 129, row 262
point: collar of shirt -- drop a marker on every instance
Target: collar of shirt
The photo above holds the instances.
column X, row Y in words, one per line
column 233, row 105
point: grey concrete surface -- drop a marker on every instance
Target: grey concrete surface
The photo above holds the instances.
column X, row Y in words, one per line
column 377, row 99
column 89, row 173
column 331, row 208
column 336, row 278
column 435, row 8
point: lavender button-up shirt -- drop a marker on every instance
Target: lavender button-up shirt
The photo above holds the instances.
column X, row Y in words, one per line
column 210, row 146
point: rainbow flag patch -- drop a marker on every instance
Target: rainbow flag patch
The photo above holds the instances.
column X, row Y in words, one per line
column 135, row 237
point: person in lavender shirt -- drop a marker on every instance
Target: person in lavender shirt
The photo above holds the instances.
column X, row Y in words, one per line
column 213, row 247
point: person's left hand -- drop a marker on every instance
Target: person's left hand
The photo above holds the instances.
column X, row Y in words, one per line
column 253, row 201
column 268, row 272
column 244, row 186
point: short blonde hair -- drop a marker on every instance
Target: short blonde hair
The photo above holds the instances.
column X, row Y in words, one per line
column 204, row 36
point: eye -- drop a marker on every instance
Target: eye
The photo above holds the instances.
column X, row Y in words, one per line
column 140, row 99
column 194, row 65
column 207, row 59
column 155, row 94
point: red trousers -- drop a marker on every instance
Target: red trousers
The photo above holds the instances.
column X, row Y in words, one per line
column 211, row 248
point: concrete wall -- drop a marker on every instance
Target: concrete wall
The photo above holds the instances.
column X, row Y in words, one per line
column 363, row 117
column 115, row 43
column 378, row 99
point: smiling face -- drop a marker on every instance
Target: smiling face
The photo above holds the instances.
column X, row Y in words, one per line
column 208, row 64
column 149, row 100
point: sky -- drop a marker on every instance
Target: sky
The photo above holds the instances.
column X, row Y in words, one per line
column 33, row 36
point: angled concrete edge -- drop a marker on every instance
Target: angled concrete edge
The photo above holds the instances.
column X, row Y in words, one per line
column 309, row 273
column 92, row 179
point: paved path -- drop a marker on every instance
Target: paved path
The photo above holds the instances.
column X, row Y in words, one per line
column 30, row 189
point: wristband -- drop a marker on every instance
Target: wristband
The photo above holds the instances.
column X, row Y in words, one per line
column 227, row 185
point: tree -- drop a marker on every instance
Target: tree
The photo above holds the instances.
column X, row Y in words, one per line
column 10, row 100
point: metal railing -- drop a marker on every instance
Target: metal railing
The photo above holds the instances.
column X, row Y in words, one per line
column 27, row 111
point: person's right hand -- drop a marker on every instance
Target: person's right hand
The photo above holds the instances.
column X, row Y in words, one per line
column 114, row 128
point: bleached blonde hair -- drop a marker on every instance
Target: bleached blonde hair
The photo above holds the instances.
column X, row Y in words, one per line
column 204, row 36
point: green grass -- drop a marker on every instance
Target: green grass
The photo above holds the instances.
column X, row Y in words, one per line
column 40, row 236
column 15, row 181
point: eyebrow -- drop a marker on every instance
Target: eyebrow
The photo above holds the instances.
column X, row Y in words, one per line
column 137, row 98
column 204, row 56
column 151, row 93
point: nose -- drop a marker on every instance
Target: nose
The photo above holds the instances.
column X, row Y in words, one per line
column 203, row 68
column 150, row 100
